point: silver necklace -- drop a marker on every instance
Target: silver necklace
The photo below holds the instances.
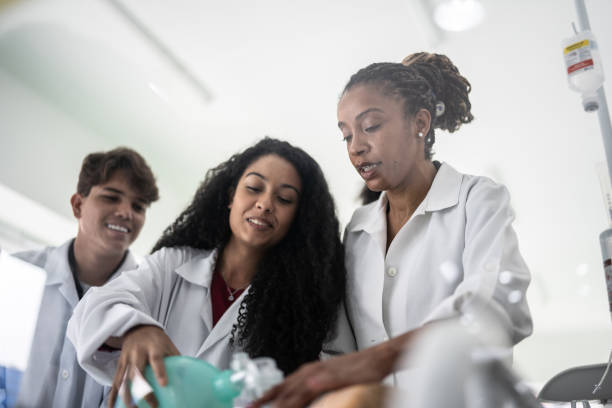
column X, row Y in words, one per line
column 231, row 292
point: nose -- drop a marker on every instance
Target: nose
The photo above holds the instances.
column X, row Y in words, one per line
column 265, row 203
column 357, row 145
column 124, row 210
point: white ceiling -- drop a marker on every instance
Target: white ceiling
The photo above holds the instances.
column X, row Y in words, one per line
column 75, row 76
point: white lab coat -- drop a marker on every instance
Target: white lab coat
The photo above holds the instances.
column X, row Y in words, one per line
column 53, row 377
column 170, row 290
column 454, row 246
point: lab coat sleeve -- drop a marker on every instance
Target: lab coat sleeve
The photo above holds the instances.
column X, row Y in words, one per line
column 493, row 268
column 342, row 339
column 130, row 300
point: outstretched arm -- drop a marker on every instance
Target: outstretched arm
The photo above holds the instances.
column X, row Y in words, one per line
column 313, row 379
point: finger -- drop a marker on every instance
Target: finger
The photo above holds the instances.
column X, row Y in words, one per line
column 151, row 400
column 112, row 396
column 268, row 396
column 159, row 369
column 297, row 398
column 125, row 393
column 117, row 380
column 298, row 392
column 140, row 387
column 138, row 363
column 285, row 395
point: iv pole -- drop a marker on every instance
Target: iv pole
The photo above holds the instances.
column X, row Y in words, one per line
column 602, row 112
column 576, row 384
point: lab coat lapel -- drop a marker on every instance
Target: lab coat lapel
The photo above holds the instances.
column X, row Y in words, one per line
column 206, row 312
column 374, row 222
column 59, row 271
column 199, row 271
column 49, row 335
column 375, row 279
column 224, row 326
column 370, row 227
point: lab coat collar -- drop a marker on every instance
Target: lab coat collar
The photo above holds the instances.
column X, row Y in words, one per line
column 443, row 193
column 370, row 218
column 199, row 269
column 57, row 266
column 59, row 272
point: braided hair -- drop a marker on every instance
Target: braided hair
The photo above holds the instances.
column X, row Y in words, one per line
column 422, row 81
column 292, row 303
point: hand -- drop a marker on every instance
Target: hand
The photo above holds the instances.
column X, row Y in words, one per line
column 313, row 379
column 141, row 345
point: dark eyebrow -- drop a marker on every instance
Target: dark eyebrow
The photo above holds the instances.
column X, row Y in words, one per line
column 291, row 187
column 362, row 114
column 116, row 191
column 254, row 173
column 261, row 176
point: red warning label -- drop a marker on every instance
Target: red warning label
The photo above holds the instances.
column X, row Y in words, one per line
column 580, row 65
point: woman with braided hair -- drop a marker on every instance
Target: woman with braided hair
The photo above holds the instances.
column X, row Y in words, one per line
column 254, row 263
column 432, row 239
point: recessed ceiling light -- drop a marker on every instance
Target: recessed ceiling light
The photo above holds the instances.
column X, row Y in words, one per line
column 458, row 15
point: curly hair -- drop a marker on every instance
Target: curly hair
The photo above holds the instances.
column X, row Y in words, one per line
column 422, row 81
column 293, row 300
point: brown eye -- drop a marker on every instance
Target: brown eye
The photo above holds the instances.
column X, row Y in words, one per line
column 110, row 198
column 138, row 208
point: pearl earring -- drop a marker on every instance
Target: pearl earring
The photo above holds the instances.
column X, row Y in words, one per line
column 420, row 135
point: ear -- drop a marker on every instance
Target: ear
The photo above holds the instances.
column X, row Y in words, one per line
column 76, row 201
column 422, row 121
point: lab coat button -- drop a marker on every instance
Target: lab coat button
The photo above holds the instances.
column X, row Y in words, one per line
column 65, row 374
column 391, row 271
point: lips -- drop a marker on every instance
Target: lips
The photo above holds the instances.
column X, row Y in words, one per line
column 259, row 223
column 367, row 169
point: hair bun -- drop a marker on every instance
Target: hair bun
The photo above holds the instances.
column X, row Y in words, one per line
column 450, row 87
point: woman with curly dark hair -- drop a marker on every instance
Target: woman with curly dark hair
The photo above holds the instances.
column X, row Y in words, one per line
column 254, row 263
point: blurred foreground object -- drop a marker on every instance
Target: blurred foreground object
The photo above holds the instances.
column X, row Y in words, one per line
column 463, row 363
column 21, row 289
column 356, row 396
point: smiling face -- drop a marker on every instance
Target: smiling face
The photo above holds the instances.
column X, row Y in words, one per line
column 265, row 202
column 382, row 143
column 110, row 217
